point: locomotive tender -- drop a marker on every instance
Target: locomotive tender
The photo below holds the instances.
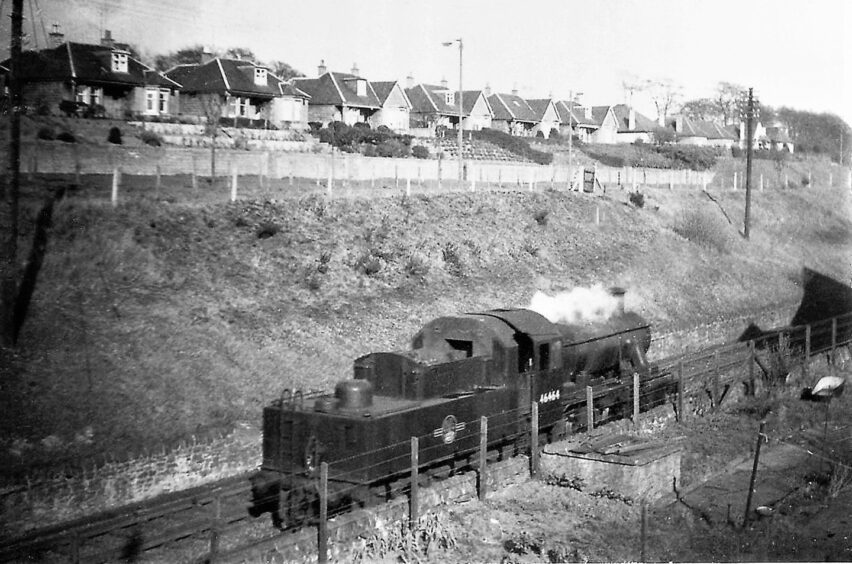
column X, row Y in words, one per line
column 459, row 368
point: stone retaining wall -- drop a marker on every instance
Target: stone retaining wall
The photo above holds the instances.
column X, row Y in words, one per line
column 66, row 496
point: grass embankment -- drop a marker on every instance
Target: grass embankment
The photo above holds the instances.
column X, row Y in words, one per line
column 153, row 321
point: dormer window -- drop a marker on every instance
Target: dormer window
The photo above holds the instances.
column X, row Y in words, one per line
column 449, row 98
column 119, row 61
column 361, row 87
column 260, row 76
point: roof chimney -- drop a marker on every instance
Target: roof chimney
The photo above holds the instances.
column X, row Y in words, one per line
column 514, row 90
column 57, row 38
column 107, row 40
column 355, row 70
column 444, row 83
column 206, row 55
column 321, row 69
column 409, row 81
column 487, row 90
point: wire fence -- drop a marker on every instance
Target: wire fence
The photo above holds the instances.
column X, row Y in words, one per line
column 693, row 384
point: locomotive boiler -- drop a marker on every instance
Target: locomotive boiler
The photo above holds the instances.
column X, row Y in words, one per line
column 459, row 368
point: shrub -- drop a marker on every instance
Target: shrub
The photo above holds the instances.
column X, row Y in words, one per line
column 368, row 264
column 420, row 152
column 539, row 134
column 417, row 265
column 46, row 134
column 393, row 148
column 703, row 229
column 541, row 217
column 736, row 152
column 114, row 136
column 267, row 229
column 150, row 138
column 637, row 199
column 805, row 181
column 66, row 137
column 451, row 255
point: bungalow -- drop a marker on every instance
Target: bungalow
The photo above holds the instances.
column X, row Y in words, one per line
column 434, row 106
column 337, row 96
column 476, row 110
column 548, row 116
column 98, row 79
column 573, row 120
column 778, row 138
column 632, row 126
column 512, row 114
column 242, row 89
column 395, row 111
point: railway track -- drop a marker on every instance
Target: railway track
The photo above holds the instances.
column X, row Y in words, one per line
column 211, row 520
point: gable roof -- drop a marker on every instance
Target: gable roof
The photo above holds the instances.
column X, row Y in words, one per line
column 338, row 89
column 540, row 105
column 383, row 90
column 642, row 123
column 471, row 97
column 91, row 64
column 432, row 99
column 778, row 134
column 511, row 107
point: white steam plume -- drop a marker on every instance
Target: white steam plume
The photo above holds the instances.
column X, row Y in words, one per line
column 576, row 306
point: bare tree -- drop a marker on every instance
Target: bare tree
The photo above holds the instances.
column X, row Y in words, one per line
column 727, row 98
column 665, row 95
column 632, row 84
column 212, row 104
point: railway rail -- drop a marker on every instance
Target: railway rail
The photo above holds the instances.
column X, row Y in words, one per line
column 210, row 513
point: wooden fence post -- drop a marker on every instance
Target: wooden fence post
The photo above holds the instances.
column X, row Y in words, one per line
column 414, row 496
column 158, row 180
column 322, row 527
column 636, row 400
column 234, row 181
column 806, row 362
column 833, row 338
column 680, row 414
column 753, row 472
column 715, row 390
column 194, row 175
column 483, row 457
column 116, row 180
column 590, row 414
column 643, row 532
column 534, row 440
column 214, row 529
column 751, row 360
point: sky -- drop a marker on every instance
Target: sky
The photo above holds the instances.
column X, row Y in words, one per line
column 795, row 53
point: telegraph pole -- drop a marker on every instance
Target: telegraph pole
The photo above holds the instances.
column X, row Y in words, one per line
column 10, row 186
column 749, row 134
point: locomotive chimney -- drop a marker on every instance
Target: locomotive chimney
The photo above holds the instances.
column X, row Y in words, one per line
column 618, row 292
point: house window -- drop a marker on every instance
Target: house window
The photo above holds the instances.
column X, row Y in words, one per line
column 119, row 61
column 241, row 107
column 164, row 101
column 83, row 94
column 88, row 95
column 150, row 101
column 260, row 76
column 361, row 88
column 449, row 98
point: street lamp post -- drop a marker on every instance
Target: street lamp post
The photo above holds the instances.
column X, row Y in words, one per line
column 461, row 96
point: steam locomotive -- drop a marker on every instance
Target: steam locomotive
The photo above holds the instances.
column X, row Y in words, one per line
column 459, row 368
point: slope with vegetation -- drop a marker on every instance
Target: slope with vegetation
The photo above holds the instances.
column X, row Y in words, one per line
column 157, row 320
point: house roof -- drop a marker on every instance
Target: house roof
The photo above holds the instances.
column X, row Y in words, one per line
column 87, row 63
column 338, row 89
column 383, row 90
column 431, row 99
column 511, row 107
column 539, row 106
column 469, row 101
column 577, row 115
column 778, row 134
column 234, row 76
column 642, row 123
